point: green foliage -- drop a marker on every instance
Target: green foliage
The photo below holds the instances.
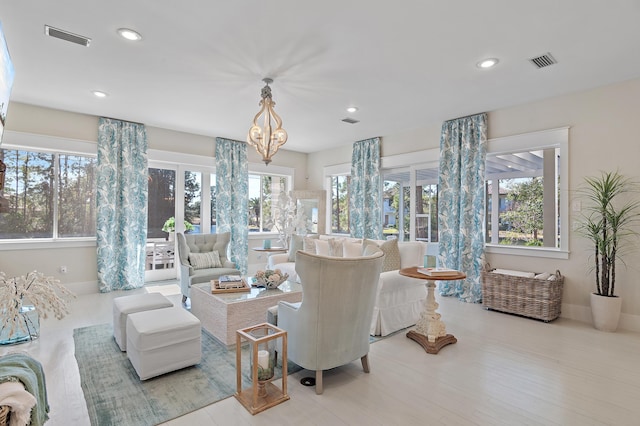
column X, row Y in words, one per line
column 608, row 221
column 526, row 209
column 170, row 225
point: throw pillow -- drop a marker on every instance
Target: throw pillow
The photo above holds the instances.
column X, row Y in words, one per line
column 309, row 245
column 370, row 249
column 335, row 247
column 391, row 254
column 352, row 248
column 206, row 260
column 322, row 247
column 297, row 243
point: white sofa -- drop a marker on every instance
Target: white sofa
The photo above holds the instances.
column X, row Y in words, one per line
column 400, row 300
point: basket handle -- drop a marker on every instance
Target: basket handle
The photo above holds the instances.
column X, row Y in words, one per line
column 558, row 274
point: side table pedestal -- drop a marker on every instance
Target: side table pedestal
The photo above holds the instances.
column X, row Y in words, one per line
column 432, row 347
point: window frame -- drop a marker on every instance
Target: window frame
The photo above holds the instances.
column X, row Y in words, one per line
column 330, row 172
column 540, row 140
column 44, row 143
column 156, row 158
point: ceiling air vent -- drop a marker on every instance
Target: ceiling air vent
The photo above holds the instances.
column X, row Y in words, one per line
column 350, row 120
column 543, row 61
column 67, row 36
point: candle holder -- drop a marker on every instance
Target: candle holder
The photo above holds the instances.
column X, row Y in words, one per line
column 262, row 340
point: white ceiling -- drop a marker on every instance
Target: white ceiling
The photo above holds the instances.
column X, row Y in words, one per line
column 405, row 64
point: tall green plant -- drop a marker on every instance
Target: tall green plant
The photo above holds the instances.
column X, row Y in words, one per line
column 608, row 221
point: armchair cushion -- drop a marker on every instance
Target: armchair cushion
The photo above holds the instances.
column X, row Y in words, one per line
column 209, row 259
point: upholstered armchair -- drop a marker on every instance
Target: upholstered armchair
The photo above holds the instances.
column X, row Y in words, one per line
column 203, row 257
column 330, row 327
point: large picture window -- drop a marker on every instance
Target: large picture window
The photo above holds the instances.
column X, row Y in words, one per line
column 526, row 193
column 51, row 195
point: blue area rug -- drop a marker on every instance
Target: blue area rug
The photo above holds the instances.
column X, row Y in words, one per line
column 116, row 396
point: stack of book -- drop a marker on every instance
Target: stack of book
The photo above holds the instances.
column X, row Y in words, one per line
column 438, row 272
column 230, row 281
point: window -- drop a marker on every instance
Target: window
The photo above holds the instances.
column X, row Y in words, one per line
column 51, row 195
column 264, row 191
column 403, row 188
column 526, row 194
column 340, row 203
column 426, row 213
column 396, row 204
column 161, row 200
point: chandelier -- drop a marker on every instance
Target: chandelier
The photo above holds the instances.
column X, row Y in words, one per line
column 267, row 140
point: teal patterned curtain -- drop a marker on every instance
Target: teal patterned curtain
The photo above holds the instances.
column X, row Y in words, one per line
column 121, row 200
column 232, row 198
column 365, row 199
column 463, row 149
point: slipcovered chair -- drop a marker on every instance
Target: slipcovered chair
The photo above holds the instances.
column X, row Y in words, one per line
column 330, row 327
column 203, row 257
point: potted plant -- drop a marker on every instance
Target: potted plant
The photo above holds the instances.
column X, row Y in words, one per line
column 608, row 221
column 170, row 227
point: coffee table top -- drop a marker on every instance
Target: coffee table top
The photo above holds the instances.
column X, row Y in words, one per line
column 255, row 293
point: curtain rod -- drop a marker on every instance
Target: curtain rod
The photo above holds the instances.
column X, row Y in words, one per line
column 465, row 116
column 126, row 121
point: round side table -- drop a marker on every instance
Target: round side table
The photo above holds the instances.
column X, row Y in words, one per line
column 430, row 331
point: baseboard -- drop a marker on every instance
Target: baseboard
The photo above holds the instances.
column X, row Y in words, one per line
column 82, row 288
column 581, row 313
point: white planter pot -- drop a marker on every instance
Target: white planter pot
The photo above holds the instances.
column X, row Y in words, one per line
column 606, row 312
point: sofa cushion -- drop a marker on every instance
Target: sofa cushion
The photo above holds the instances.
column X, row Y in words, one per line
column 205, row 260
column 391, row 254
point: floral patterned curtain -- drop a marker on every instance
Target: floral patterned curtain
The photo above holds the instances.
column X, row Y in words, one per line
column 463, row 149
column 232, row 198
column 121, row 216
column 365, row 200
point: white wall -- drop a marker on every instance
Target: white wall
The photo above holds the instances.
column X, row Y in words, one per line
column 81, row 261
column 602, row 136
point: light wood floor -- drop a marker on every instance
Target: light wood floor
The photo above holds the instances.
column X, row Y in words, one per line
column 504, row 370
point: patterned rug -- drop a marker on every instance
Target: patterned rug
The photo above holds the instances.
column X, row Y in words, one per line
column 116, row 396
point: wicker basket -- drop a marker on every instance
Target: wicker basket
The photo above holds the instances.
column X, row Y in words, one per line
column 530, row 297
column 4, row 415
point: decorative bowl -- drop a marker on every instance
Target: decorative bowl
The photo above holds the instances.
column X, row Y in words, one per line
column 270, row 278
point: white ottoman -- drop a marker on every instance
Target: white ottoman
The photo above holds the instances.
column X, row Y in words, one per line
column 163, row 340
column 125, row 305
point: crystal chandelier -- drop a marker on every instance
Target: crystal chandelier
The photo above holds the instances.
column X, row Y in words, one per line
column 267, row 140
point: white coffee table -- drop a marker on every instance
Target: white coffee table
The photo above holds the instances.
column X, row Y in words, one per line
column 222, row 314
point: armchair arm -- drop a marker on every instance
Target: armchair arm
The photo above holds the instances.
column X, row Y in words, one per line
column 276, row 258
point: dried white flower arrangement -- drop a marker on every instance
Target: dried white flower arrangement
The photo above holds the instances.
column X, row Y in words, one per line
column 46, row 294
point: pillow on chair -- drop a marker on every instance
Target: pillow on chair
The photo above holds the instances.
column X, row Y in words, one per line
column 206, row 260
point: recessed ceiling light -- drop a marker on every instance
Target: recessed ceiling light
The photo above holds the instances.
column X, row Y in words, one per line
column 352, row 109
column 487, row 63
column 99, row 94
column 129, row 34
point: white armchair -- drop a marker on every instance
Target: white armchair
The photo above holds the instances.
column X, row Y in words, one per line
column 196, row 272
column 330, row 327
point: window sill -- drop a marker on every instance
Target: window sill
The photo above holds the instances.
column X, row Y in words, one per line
column 551, row 253
column 36, row 244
